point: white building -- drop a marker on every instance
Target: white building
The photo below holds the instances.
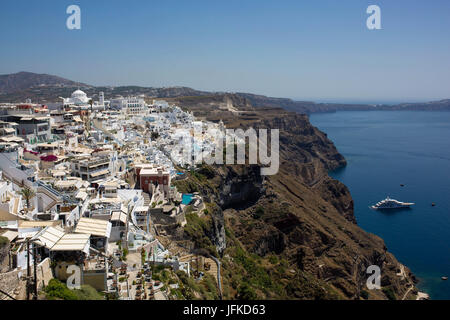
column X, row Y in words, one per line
column 130, row 105
column 77, row 98
column 80, row 100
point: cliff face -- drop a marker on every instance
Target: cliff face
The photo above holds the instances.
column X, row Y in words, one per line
column 294, row 234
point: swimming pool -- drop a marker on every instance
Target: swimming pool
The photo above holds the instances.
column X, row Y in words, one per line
column 186, row 199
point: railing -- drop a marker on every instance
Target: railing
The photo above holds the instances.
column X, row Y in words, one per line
column 49, row 189
column 55, row 193
column 88, row 163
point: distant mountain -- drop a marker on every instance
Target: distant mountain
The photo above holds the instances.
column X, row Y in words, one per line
column 166, row 92
column 46, row 88
column 10, row 83
column 301, row 106
column 441, row 105
column 313, row 107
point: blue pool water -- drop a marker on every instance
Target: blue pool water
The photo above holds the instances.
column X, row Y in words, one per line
column 187, row 198
column 385, row 149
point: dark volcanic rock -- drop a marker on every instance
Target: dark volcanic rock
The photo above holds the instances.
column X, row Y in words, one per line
column 299, row 214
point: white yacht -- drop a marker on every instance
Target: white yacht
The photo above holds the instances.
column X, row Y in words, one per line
column 389, row 203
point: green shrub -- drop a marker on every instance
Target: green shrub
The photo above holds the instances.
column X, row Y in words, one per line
column 389, row 293
column 58, row 290
column 156, row 277
column 273, row 259
column 245, row 292
column 198, row 229
column 87, row 292
column 186, row 186
column 3, row 241
column 257, row 275
column 259, row 212
column 206, row 172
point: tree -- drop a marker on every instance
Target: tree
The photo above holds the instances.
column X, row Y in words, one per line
column 28, row 194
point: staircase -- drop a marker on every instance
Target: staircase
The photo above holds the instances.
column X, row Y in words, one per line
column 51, row 193
column 146, row 199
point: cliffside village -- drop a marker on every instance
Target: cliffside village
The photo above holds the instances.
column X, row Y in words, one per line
column 90, row 183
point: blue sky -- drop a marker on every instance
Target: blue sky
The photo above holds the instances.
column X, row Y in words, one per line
column 319, row 50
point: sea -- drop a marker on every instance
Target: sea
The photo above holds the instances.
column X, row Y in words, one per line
column 387, row 149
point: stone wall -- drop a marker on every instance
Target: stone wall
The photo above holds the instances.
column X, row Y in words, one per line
column 44, row 273
column 4, row 257
column 158, row 217
column 95, row 278
column 11, row 283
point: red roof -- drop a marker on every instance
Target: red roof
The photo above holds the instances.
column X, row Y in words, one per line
column 49, row 158
column 32, row 152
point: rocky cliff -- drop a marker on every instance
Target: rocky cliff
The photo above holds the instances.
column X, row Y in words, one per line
column 292, row 235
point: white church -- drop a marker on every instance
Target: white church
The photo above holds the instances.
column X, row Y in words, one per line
column 80, row 100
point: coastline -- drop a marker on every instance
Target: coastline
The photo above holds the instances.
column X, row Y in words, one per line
column 361, row 138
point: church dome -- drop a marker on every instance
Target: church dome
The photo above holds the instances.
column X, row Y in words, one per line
column 79, row 97
column 78, row 94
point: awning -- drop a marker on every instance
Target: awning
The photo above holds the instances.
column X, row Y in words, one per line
column 100, row 173
column 72, row 242
column 50, row 236
column 10, row 235
column 68, row 184
column 81, row 195
column 105, row 200
column 119, row 216
column 48, row 145
column 34, row 224
column 55, row 239
column 59, row 174
column 11, row 139
column 142, row 209
column 94, row 227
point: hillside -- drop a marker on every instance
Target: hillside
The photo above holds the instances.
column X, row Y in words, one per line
column 288, row 236
column 302, row 106
column 44, row 88
column 10, row 83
